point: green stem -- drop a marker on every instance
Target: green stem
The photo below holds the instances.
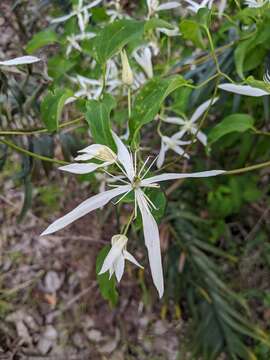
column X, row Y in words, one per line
column 129, row 223
column 30, row 153
column 248, row 168
column 259, row 132
column 212, row 48
column 129, row 102
column 38, row 131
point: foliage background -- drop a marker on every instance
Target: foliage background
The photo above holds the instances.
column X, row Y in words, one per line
column 215, row 240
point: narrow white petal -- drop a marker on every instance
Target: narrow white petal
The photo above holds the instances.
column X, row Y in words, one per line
column 20, row 61
column 84, row 157
column 161, row 155
column 201, row 109
column 81, row 22
column 179, row 134
column 119, row 267
column 243, row 90
column 110, row 259
column 180, row 151
column 85, row 207
column 124, row 157
column 62, row 18
column 92, row 4
column 174, row 120
column 78, row 168
column 167, row 6
column 200, row 136
column 151, row 237
column 174, row 176
column 128, row 256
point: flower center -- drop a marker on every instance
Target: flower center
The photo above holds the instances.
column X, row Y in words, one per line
column 136, row 182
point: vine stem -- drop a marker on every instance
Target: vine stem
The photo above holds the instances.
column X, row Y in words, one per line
column 32, row 154
column 129, row 223
column 38, row 131
column 129, row 102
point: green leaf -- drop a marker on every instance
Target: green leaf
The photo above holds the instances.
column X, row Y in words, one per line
column 58, row 66
column 232, row 123
column 98, row 118
column 154, row 23
column 245, row 57
column 149, row 100
column 107, row 286
column 113, row 37
column 191, row 30
column 52, row 106
column 41, row 39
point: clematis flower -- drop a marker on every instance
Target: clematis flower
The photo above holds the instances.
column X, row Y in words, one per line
column 243, row 90
column 74, row 41
column 135, row 181
column 95, row 151
column 115, row 11
column 195, row 7
column 189, row 126
column 143, row 57
column 154, row 6
column 81, row 12
column 171, row 143
column 115, row 260
column 22, row 60
column 92, row 88
column 256, row 3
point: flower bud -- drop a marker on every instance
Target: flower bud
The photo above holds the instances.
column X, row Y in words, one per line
column 98, row 151
column 127, row 75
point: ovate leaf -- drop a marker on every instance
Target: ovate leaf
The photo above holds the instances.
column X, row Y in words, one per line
column 52, row 106
column 113, row 37
column 149, row 100
column 232, row 123
column 107, row 286
column 191, row 30
column 41, row 39
column 98, row 118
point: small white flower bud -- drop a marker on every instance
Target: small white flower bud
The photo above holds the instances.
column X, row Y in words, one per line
column 127, row 75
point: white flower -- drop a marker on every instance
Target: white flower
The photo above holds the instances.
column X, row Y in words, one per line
column 20, row 61
column 189, row 126
column 143, row 57
column 195, row 7
column 116, row 12
column 134, row 181
column 115, row 260
column 81, row 12
column 127, row 75
column 92, row 88
column 256, row 3
column 171, row 143
column 243, row 90
column 95, row 151
column 73, row 41
column 154, row 6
